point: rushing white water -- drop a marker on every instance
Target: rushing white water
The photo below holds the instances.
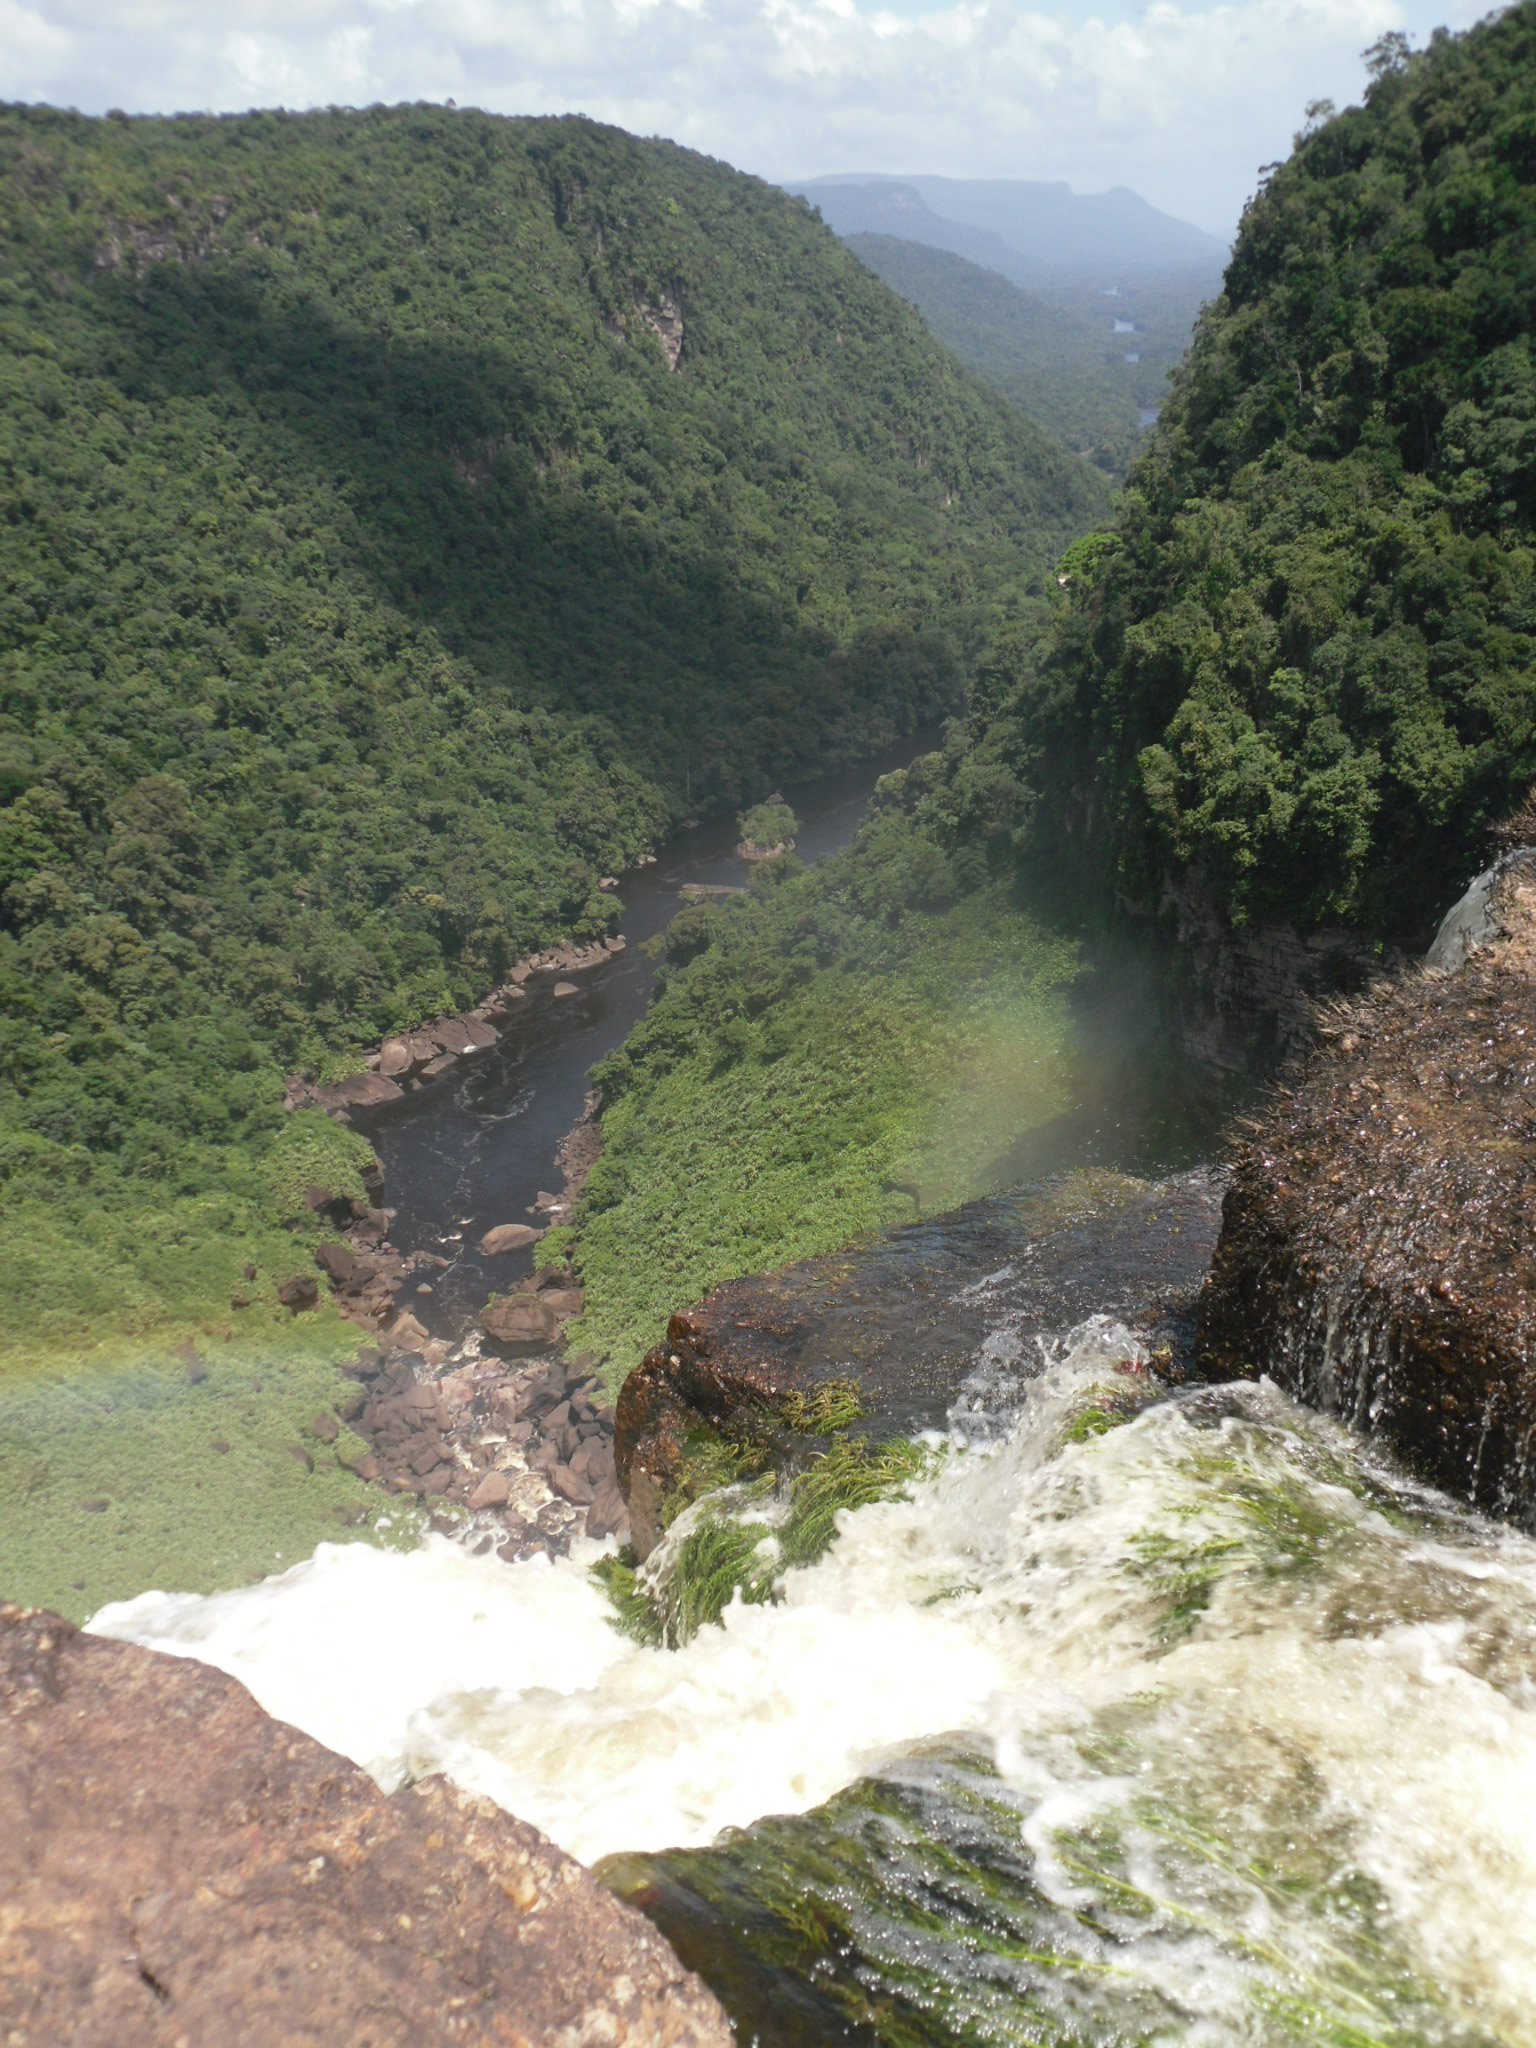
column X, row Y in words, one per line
column 1218, row 1610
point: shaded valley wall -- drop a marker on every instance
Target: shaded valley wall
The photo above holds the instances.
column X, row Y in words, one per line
column 1242, row 999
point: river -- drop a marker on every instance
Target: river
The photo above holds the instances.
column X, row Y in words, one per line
column 478, row 1146
column 1148, row 1713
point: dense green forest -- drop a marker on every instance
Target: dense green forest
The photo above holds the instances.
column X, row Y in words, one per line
column 1301, row 660
column 403, row 517
column 1062, row 369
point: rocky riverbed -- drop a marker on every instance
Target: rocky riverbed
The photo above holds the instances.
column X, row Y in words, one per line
column 510, row 1458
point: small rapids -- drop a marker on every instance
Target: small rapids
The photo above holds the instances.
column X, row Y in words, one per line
column 1163, row 1716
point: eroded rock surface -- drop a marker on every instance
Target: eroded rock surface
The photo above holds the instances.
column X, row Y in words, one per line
column 177, row 1869
column 1378, row 1244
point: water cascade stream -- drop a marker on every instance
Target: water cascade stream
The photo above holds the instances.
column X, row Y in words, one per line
column 1150, row 1715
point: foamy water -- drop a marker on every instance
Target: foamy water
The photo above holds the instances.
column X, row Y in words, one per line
column 1218, row 1612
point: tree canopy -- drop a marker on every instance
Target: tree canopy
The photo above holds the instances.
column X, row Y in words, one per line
column 1301, row 659
column 403, row 515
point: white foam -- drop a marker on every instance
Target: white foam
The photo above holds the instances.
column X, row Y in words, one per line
column 1017, row 1596
column 353, row 1643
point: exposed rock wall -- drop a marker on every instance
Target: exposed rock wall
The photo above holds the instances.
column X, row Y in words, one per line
column 1378, row 1246
column 1244, row 998
column 177, row 1868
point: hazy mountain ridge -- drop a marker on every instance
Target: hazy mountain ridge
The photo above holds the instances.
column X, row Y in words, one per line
column 1046, row 230
column 1133, row 277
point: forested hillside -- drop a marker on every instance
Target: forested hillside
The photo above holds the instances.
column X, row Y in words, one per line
column 1058, row 367
column 405, row 515
column 1301, row 660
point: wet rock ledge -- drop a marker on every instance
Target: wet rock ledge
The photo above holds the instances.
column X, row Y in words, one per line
column 178, row 1868
column 932, row 1325
column 1377, row 1254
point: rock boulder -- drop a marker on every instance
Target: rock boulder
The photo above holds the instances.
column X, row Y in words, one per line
column 519, row 1319
column 509, row 1237
column 178, row 1867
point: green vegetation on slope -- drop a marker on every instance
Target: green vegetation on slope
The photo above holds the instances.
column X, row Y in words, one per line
column 1057, row 366
column 833, row 1052
column 1304, row 659
column 402, row 515
column 151, row 1474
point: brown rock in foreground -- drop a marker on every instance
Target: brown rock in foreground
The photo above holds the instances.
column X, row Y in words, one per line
column 1378, row 1245
column 177, row 1867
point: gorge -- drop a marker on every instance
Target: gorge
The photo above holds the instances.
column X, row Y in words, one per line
column 1067, row 1575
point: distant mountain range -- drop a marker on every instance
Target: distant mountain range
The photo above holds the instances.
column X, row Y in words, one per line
column 1129, row 280
column 1033, row 233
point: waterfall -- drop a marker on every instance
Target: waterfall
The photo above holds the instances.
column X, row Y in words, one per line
column 1228, row 1728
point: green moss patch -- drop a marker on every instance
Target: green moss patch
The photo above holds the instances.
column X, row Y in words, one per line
column 742, row 1537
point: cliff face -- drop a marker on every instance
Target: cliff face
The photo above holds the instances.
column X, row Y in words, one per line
column 1378, row 1246
column 178, row 1867
column 1242, row 998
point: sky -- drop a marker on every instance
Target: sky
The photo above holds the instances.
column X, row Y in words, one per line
column 1181, row 102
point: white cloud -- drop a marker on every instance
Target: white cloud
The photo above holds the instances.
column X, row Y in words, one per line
column 1180, row 99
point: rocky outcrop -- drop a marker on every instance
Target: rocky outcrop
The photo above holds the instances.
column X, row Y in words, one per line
column 418, row 1057
column 1244, row 998
column 177, row 1867
column 665, row 320
column 1378, row 1245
